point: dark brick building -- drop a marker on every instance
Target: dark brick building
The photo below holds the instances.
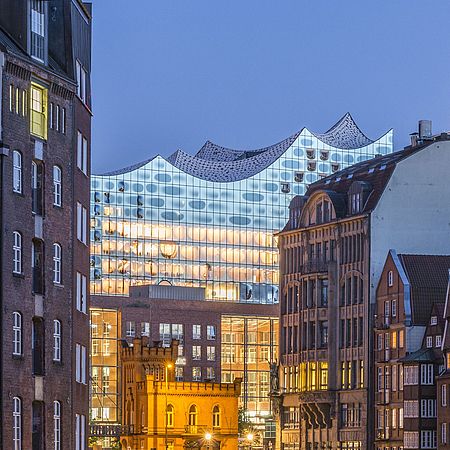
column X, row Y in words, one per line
column 45, row 127
column 407, row 347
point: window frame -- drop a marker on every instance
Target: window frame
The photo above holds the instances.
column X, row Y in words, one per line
column 17, row 333
column 17, row 423
column 57, row 186
column 17, row 172
column 17, row 252
column 57, row 263
column 57, row 424
column 57, row 339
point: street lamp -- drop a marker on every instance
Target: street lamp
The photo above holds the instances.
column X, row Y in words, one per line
column 208, row 439
column 166, row 376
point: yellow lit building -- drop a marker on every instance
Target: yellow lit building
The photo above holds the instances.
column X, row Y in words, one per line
column 162, row 414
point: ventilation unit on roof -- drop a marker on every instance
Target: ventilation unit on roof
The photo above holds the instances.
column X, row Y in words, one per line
column 425, row 129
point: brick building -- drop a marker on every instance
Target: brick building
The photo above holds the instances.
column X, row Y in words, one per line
column 332, row 253
column 218, row 342
column 162, row 413
column 443, row 383
column 407, row 347
column 44, row 202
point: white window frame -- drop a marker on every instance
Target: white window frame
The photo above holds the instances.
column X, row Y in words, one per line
column 196, row 353
column 426, row 374
column 443, row 433
column 17, row 171
column 57, row 333
column 57, row 186
column 438, row 341
column 130, row 328
column 17, row 252
column 429, row 341
column 17, row 423
column 196, row 335
column 81, row 74
column 211, row 336
column 390, row 278
column 81, row 223
column 80, row 358
column 81, row 292
column 57, row 262
column 57, row 425
column 17, row 333
column 82, row 153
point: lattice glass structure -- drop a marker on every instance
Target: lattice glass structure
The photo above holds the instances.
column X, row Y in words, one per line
column 209, row 220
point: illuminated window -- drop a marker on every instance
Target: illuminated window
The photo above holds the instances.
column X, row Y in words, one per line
column 196, row 352
column 38, row 111
column 211, row 353
column 216, row 417
column 196, row 374
column 170, row 416
column 196, row 331
column 323, row 375
column 210, row 332
column 193, row 415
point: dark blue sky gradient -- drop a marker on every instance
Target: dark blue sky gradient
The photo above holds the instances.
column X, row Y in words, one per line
column 171, row 74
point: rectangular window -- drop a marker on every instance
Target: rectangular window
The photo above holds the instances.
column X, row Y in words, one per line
column 428, row 439
column 438, row 341
column 196, row 374
column 411, row 375
column 196, row 331
column 17, row 423
column 426, row 374
column 17, row 333
column 81, row 81
column 429, row 341
column 145, row 329
column 411, row 408
column 63, row 120
column 443, row 433
column 80, row 367
column 38, row 25
column 56, row 340
column 11, row 98
column 81, row 293
column 211, row 332
column 211, row 353
column 210, row 374
column 130, row 329
column 38, row 111
column 17, row 252
column 82, row 153
column 444, row 395
column 196, row 352
column 81, row 223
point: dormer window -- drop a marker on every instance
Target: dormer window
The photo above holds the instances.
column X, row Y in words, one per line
column 324, row 155
column 433, row 320
column 310, row 153
column 355, row 203
column 38, row 30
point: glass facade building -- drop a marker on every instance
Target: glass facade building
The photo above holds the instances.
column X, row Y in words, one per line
column 210, row 221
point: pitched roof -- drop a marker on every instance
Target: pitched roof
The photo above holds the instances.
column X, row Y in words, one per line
column 421, row 355
column 428, row 278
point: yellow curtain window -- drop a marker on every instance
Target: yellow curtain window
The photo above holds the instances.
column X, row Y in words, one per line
column 38, row 111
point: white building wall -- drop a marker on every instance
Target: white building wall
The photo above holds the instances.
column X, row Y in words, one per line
column 413, row 214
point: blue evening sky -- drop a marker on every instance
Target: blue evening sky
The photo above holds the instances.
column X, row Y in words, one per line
column 171, row 74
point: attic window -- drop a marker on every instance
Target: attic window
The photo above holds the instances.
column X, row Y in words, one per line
column 298, row 177
column 433, row 320
column 390, row 278
column 310, row 153
column 334, row 167
column 324, row 155
column 355, row 202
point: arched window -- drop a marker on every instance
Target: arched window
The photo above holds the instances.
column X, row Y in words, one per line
column 17, row 333
column 170, row 416
column 56, row 340
column 57, row 263
column 17, row 252
column 193, row 415
column 17, row 423
column 57, row 424
column 216, row 416
column 57, row 186
column 17, row 171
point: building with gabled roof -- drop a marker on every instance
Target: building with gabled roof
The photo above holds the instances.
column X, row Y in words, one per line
column 332, row 254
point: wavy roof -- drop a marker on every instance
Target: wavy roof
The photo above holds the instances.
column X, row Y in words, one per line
column 220, row 164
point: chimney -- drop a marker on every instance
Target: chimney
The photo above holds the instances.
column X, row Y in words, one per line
column 424, row 129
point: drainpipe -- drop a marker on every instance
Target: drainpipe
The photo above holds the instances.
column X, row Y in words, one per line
column 4, row 151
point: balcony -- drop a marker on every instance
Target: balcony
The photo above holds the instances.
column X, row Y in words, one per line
column 314, row 266
column 107, row 430
column 195, row 429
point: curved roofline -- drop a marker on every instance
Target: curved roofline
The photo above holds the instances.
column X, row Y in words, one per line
column 210, row 155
